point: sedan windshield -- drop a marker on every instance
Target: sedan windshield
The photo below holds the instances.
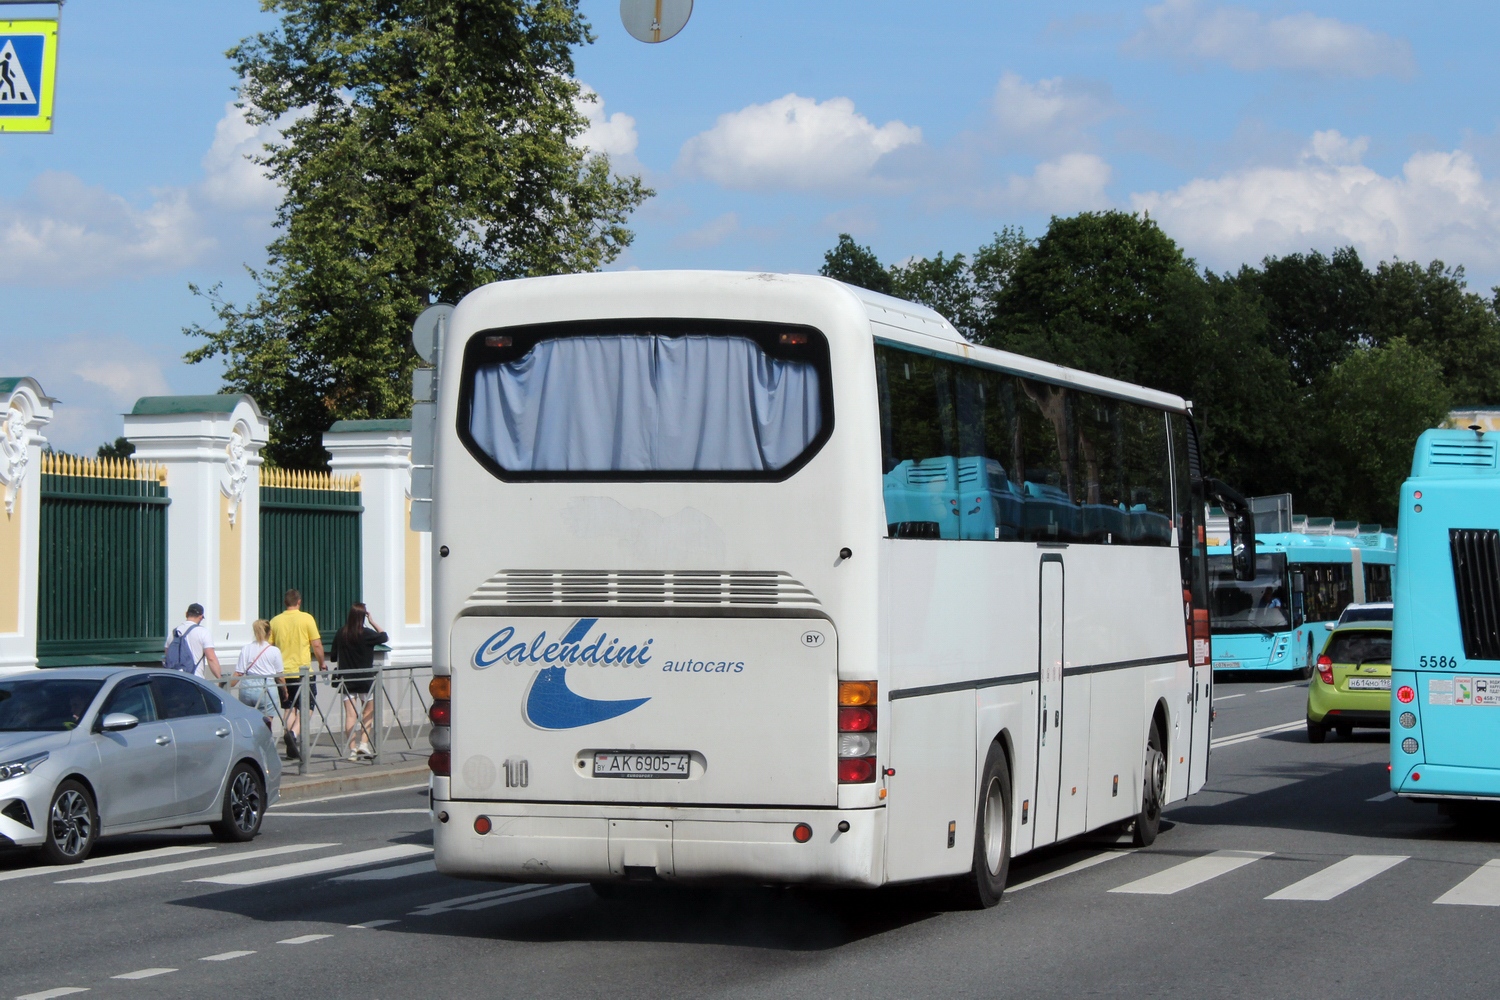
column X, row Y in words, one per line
column 1260, row 605
column 44, row 705
column 1360, row 646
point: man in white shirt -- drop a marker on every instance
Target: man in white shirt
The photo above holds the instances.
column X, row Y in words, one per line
column 199, row 641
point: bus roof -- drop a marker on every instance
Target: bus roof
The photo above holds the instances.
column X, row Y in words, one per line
column 708, row 293
column 1455, row 454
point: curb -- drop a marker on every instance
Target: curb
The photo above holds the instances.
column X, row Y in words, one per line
column 300, row 789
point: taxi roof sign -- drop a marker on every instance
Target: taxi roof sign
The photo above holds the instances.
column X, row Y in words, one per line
column 28, row 68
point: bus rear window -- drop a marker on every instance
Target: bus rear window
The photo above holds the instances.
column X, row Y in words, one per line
column 751, row 401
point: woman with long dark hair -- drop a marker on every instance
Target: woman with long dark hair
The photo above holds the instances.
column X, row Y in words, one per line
column 354, row 653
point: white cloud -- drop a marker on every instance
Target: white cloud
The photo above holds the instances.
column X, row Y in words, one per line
column 61, row 231
column 1247, row 40
column 230, row 178
column 1073, row 182
column 711, row 233
column 1438, row 206
column 613, row 135
column 793, row 142
column 1054, row 106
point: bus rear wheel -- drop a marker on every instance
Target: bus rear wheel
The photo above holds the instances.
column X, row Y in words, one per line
column 982, row 886
column 1153, row 791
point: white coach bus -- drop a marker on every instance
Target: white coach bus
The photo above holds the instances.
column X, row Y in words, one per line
column 766, row 577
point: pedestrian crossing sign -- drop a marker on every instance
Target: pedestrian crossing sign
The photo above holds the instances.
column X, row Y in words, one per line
column 28, row 66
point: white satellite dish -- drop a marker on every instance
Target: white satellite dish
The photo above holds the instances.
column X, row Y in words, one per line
column 655, row 20
column 424, row 332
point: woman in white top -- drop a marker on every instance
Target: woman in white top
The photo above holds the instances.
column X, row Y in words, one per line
column 258, row 670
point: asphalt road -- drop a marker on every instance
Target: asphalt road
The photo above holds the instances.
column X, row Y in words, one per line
column 1283, row 811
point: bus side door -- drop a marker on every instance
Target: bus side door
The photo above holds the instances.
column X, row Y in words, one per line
column 1049, row 699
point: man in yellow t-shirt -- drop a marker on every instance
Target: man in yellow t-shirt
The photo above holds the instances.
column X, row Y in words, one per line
column 295, row 634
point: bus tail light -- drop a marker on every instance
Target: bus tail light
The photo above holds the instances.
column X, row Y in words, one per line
column 1325, row 669
column 440, row 687
column 441, row 712
column 857, row 723
column 856, row 770
column 440, row 763
column 1404, row 694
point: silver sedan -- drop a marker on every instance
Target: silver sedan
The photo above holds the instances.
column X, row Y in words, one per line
column 89, row 751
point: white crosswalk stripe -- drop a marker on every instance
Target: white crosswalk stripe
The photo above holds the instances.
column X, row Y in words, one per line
column 1480, row 889
column 113, row 859
column 319, row 866
column 177, row 866
column 394, row 871
column 1340, row 877
column 1191, row 873
column 458, row 902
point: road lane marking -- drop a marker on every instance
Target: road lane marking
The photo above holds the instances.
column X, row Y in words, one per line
column 521, row 897
column 1191, row 873
column 319, row 866
column 376, row 812
column 1255, row 734
column 1480, row 889
column 1076, row 866
column 61, row 991
column 1340, row 877
column 346, row 795
column 304, row 939
column 143, row 974
column 113, row 859
column 1279, row 687
column 225, row 956
column 176, row 866
column 372, row 924
column 443, row 905
column 396, row 871
column 1226, row 697
column 1382, row 797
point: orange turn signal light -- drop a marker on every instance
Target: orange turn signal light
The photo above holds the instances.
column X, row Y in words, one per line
column 857, row 692
column 440, row 687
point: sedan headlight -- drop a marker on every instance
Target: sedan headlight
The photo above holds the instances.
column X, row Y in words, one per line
column 23, row 765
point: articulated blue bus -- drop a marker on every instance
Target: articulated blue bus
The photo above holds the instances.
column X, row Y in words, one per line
column 1304, row 580
column 1445, row 658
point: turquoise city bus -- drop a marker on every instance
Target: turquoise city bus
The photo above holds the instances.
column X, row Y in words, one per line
column 1303, row 581
column 1445, row 658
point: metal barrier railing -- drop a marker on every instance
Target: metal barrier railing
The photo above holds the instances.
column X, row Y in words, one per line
column 383, row 709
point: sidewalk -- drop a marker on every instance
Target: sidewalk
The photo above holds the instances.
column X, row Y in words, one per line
column 331, row 775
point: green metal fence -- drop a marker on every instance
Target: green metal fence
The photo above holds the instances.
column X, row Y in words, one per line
column 103, row 563
column 310, row 540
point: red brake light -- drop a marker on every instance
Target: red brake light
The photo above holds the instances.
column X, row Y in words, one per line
column 856, row 770
column 1404, row 694
column 440, row 763
column 441, row 713
column 482, row 825
column 1325, row 669
column 856, row 720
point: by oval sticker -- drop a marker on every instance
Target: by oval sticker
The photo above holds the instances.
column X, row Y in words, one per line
column 811, row 639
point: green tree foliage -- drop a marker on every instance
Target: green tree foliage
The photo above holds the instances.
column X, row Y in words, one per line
column 118, row 448
column 1309, row 374
column 428, row 147
column 855, row 265
column 1373, row 405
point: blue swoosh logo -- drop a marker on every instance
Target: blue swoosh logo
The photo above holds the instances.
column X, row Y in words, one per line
column 551, row 704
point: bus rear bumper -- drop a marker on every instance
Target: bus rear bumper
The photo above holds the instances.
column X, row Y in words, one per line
column 554, row 842
column 1440, row 781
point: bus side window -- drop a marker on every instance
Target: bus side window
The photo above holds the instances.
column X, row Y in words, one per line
column 1377, row 582
column 1299, row 594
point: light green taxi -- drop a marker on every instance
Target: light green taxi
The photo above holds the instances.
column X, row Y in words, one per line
column 1351, row 683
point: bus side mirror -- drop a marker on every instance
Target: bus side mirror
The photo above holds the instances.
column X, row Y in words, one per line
column 1241, row 527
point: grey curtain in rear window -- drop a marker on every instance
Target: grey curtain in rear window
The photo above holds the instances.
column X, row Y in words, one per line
column 645, row 403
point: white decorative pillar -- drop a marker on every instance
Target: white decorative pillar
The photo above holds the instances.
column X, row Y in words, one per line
column 24, row 410
column 397, row 581
column 210, row 446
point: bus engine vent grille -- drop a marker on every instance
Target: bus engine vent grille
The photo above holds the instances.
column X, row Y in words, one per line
column 593, row 587
column 1476, row 574
column 1474, row 454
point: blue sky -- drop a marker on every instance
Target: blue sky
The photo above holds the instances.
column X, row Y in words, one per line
column 767, row 128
